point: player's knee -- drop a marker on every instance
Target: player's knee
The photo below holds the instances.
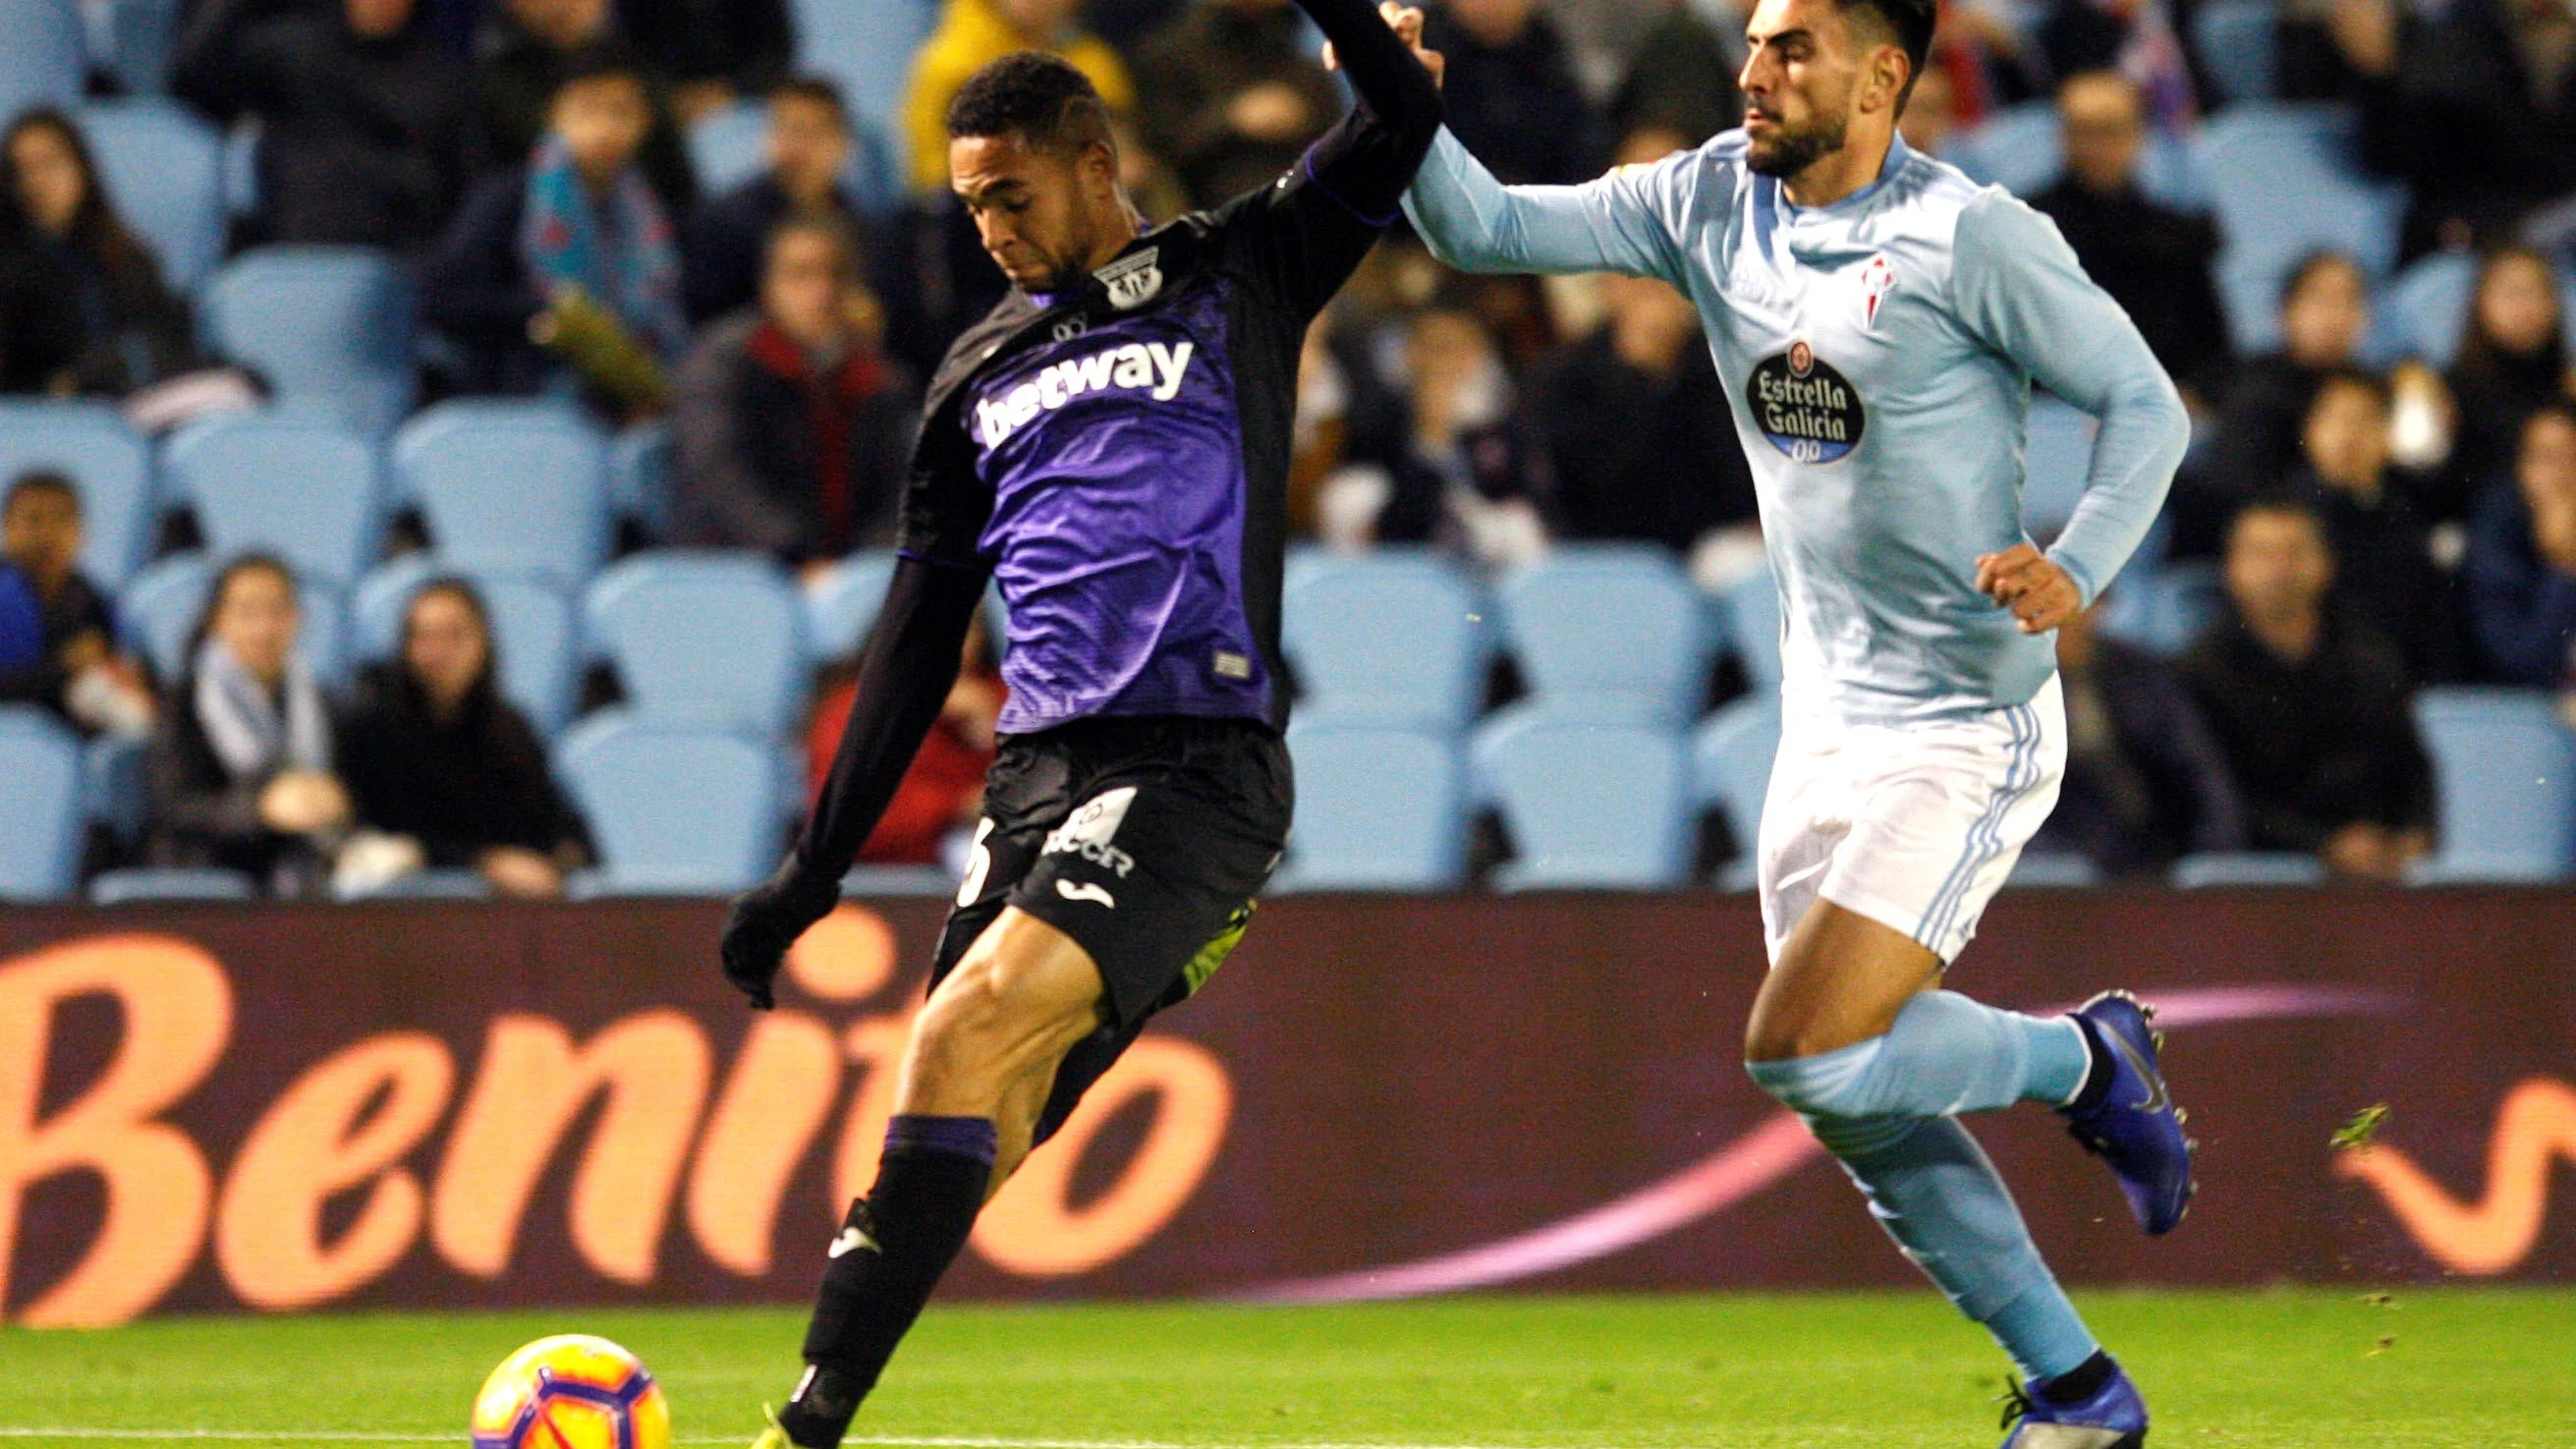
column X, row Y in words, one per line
column 1834, row 1084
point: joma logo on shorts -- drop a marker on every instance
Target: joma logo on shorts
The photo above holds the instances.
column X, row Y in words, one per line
column 1150, row 367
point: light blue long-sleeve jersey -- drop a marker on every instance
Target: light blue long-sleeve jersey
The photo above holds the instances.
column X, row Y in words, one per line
column 1879, row 354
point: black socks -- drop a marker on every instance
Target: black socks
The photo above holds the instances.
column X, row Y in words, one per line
column 893, row 1248
column 2078, row 1383
column 2097, row 1077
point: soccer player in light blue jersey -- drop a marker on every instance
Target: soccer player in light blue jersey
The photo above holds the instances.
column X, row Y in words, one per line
column 1880, row 321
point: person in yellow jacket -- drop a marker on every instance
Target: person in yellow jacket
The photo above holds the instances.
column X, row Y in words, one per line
column 974, row 33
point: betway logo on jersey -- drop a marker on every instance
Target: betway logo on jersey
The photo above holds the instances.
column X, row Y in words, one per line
column 1149, row 367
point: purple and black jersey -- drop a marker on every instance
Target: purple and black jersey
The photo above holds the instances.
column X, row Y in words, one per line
column 1116, row 456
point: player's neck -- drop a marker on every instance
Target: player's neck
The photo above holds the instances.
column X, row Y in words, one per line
column 1840, row 172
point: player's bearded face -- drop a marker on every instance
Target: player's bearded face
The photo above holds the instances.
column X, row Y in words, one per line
column 1033, row 209
column 1798, row 84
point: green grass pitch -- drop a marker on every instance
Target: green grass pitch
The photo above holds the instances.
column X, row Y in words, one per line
column 2330, row 1369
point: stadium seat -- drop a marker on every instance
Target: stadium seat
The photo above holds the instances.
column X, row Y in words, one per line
column 330, row 328
column 1731, row 754
column 1394, row 639
column 1377, row 810
column 305, row 492
column 168, row 884
column 2255, row 159
column 2424, row 310
column 1591, row 804
column 702, row 639
column 164, row 171
column 106, row 460
column 1753, row 627
column 2018, row 148
column 112, row 785
column 2506, row 769
column 535, row 628
column 423, row 885
column 730, row 146
column 2238, row 44
column 639, row 476
column 2250, row 868
column 40, row 831
column 1612, row 630
column 2053, row 870
column 161, row 608
column 2057, row 453
column 898, row 880
column 43, row 56
column 673, row 812
column 510, row 488
column 841, row 604
column 867, row 46
column 141, row 36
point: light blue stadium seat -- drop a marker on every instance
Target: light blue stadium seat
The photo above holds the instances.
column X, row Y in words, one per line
column 2248, row 868
column 112, row 785
column 1393, row 639
column 306, row 492
column 164, row 170
column 141, row 36
column 106, row 460
column 329, row 327
column 1591, row 804
column 2018, row 148
column 2239, row 44
column 2057, row 452
column 1753, row 627
column 674, row 812
column 512, row 488
column 639, row 476
column 1731, row 755
column 867, row 46
column 2053, row 870
column 2424, row 311
column 161, row 608
column 43, row 55
column 1610, row 629
column 40, row 831
column 2285, row 184
column 702, row 639
column 2506, row 770
column 157, row 885
column 899, row 880
column 535, row 627
column 730, row 146
column 1377, row 810
column 424, row 885
column 841, row 606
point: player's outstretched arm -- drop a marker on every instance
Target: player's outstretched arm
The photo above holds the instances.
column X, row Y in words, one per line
column 904, row 681
column 2020, row 288
column 1369, row 160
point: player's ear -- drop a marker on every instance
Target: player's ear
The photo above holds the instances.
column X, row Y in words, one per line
column 1888, row 71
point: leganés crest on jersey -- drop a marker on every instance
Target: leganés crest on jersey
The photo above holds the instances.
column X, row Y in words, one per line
column 1809, row 411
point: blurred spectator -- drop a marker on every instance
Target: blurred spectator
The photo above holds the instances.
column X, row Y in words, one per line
column 2521, row 569
column 943, row 793
column 809, row 145
column 2473, row 106
column 530, row 48
column 1637, row 437
column 973, row 33
column 2145, row 780
column 57, row 631
column 115, row 326
column 2154, row 261
column 435, row 755
column 2325, row 311
column 240, row 770
column 793, row 432
column 714, row 52
column 2311, row 706
column 1682, row 78
column 2513, row 358
column 2131, row 38
column 1990, row 64
column 1511, row 92
column 1230, row 95
column 1931, row 118
column 568, row 258
column 1459, row 473
column 366, row 123
column 2385, row 574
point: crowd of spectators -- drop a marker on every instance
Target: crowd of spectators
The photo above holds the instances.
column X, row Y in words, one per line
column 2369, row 532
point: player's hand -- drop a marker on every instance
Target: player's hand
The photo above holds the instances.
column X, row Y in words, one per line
column 766, row 920
column 2040, row 594
column 1406, row 22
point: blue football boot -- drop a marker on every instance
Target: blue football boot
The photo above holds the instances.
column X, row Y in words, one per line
column 2113, row 1418
column 2134, row 1126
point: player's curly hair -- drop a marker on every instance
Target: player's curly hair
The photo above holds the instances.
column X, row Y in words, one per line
column 1909, row 24
column 1048, row 104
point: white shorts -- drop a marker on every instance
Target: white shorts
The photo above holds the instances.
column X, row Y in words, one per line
column 1914, row 826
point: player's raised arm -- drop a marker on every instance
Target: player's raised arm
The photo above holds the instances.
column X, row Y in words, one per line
column 2019, row 287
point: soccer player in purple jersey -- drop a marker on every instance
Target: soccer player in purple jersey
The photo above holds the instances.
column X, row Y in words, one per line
column 1111, row 444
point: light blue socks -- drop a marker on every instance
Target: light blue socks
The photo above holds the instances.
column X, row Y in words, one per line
column 1884, row 1108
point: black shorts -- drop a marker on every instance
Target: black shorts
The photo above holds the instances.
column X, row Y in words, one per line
column 1145, row 840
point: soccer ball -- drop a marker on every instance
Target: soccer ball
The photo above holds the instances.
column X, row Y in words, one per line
column 571, row 1391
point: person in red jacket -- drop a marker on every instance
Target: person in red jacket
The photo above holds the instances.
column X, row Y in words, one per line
column 944, row 790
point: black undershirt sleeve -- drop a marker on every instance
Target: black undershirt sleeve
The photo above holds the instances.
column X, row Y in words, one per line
column 1368, row 160
column 904, row 679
